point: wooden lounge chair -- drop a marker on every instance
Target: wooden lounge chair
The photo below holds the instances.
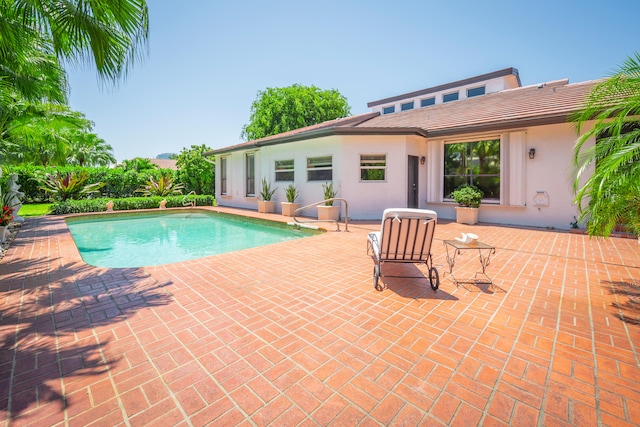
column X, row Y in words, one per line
column 405, row 236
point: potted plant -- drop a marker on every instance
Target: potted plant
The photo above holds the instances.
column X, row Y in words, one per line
column 468, row 197
column 266, row 205
column 328, row 212
column 289, row 207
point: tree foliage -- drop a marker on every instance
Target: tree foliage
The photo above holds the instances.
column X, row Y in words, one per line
column 36, row 36
column 195, row 172
column 278, row 110
column 49, row 134
column 138, row 164
column 110, row 34
column 606, row 175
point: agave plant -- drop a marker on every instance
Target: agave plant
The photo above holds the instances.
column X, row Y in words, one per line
column 69, row 186
column 292, row 193
column 329, row 192
column 267, row 192
column 165, row 186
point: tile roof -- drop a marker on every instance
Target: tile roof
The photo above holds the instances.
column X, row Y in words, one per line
column 301, row 133
column 545, row 103
column 165, row 163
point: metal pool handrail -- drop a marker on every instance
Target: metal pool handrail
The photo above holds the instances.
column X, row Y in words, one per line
column 185, row 202
column 346, row 213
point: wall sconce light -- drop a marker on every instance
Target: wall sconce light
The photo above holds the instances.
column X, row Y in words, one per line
column 422, row 159
column 532, row 153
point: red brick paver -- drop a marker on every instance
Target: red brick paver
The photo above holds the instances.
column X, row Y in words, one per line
column 295, row 334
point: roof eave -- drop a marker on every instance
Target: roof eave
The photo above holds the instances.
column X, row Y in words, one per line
column 320, row 133
column 346, row 131
column 501, row 125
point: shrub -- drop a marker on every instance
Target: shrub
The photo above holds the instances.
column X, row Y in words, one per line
column 126, row 204
column 468, row 196
column 163, row 186
column 69, row 186
column 118, row 182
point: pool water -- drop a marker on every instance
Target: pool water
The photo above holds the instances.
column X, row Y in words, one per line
column 138, row 240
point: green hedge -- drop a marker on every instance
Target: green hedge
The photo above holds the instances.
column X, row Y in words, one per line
column 118, row 182
column 130, row 203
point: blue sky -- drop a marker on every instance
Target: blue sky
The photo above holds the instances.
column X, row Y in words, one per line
column 207, row 60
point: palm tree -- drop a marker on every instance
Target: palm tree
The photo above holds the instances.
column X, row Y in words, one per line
column 88, row 149
column 138, row 164
column 35, row 36
column 606, row 176
column 34, row 132
column 107, row 33
column 31, row 71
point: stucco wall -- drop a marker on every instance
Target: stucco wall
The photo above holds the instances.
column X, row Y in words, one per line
column 546, row 180
column 366, row 200
column 522, row 177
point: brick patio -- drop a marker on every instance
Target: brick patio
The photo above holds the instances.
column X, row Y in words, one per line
column 295, row 334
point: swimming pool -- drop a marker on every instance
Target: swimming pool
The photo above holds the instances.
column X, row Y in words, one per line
column 150, row 239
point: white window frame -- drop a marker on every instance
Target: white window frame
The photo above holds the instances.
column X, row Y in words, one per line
column 406, row 106
column 284, row 170
column 457, row 92
column 250, row 174
column 501, row 140
column 327, row 167
column 224, row 172
column 375, row 167
column 477, row 87
column 433, row 98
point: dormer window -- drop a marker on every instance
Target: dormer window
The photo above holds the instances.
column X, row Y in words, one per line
column 476, row 91
column 447, row 97
column 406, row 106
column 389, row 110
column 428, row 101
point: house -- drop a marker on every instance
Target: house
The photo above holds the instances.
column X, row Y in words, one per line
column 414, row 149
column 165, row 163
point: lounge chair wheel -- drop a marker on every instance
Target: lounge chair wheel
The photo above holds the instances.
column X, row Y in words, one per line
column 434, row 278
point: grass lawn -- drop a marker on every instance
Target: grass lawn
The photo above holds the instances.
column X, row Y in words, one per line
column 35, row 209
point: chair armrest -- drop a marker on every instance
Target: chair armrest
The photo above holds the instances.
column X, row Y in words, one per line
column 373, row 244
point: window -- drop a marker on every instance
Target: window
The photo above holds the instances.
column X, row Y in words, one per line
column 319, row 168
column 476, row 91
column 428, row 101
column 250, row 172
column 450, row 97
column 223, row 175
column 476, row 163
column 389, row 110
column 406, row 106
column 284, row 170
column 373, row 167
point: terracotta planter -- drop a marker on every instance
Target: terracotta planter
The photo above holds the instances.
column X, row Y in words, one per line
column 328, row 213
column 466, row 215
column 289, row 208
column 266, row 206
